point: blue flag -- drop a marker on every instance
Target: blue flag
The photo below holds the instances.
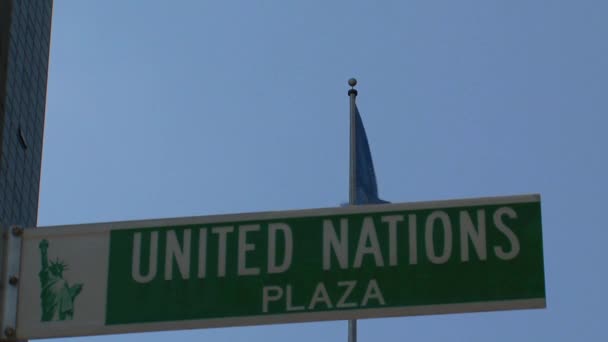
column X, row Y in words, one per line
column 365, row 177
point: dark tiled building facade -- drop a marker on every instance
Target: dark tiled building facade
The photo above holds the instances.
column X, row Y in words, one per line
column 25, row 32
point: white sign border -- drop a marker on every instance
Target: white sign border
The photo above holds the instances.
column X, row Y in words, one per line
column 77, row 229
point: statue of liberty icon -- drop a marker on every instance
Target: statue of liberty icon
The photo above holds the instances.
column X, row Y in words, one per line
column 57, row 296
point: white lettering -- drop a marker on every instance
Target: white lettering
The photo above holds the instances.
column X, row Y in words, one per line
column 339, row 245
column 447, row 237
column 202, row 253
column 136, row 258
column 267, row 296
column 221, row 232
column 320, row 296
column 290, row 306
column 499, row 250
column 372, row 292
column 412, row 236
column 476, row 236
column 181, row 254
column 273, row 267
column 392, row 237
column 350, row 285
column 368, row 234
column 245, row 247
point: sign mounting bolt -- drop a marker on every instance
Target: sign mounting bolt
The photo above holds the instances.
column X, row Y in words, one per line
column 17, row 231
column 9, row 332
column 13, row 280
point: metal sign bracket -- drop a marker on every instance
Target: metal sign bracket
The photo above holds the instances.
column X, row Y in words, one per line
column 10, row 252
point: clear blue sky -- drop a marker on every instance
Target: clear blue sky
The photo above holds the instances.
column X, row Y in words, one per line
column 181, row 108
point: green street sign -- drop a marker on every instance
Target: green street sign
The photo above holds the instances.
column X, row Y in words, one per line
column 278, row 267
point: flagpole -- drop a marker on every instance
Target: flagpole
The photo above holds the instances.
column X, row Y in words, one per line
column 352, row 188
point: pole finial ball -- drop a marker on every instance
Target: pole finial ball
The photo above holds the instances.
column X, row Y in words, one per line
column 352, row 82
